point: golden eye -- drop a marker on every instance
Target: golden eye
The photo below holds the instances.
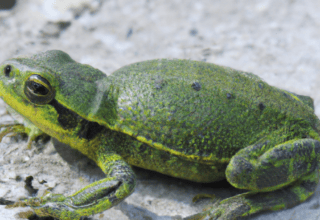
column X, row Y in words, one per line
column 38, row 90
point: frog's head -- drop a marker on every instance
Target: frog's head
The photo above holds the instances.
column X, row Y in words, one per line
column 50, row 87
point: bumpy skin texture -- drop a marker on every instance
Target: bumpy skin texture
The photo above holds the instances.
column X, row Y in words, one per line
column 188, row 119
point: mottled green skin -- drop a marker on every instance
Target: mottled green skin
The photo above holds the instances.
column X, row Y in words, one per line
column 157, row 101
column 188, row 119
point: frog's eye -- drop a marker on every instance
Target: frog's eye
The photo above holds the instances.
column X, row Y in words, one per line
column 38, row 90
column 7, row 70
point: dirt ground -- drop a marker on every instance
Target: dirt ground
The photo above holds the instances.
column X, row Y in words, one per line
column 276, row 40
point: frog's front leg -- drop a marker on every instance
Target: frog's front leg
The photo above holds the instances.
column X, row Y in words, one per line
column 278, row 177
column 27, row 128
column 94, row 198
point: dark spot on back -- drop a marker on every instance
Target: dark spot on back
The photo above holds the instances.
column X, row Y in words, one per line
column 196, row 86
column 261, row 106
column 285, row 94
column 159, row 84
column 229, row 96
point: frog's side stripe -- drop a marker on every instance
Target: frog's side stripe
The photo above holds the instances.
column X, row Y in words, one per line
column 89, row 129
column 70, row 120
column 210, row 160
column 67, row 119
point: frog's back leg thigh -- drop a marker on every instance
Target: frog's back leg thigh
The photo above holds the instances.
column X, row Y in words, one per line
column 278, row 176
column 265, row 168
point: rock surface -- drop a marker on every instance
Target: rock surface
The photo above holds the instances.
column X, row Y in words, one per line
column 277, row 40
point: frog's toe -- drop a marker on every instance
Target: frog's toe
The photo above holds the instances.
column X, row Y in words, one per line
column 223, row 210
column 58, row 210
column 228, row 211
column 54, row 205
column 203, row 195
column 13, row 129
column 38, row 138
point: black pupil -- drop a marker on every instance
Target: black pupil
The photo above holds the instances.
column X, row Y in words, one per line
column 7, row 70
column 38, row 88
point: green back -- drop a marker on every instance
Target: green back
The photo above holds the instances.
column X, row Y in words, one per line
column 201, row 109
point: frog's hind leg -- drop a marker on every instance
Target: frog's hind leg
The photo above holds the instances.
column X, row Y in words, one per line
column 278, row 177
column 253, row 202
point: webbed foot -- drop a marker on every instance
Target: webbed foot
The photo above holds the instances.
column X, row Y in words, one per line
column 14, row 129
column 227, row 209
column 252, row 202
column 55, row 205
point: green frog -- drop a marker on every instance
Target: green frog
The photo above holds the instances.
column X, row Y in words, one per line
column 187, row 119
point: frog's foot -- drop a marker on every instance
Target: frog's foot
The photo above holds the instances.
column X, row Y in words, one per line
column 227, row 209
column 33, row 132
column 13, row 129
column 202, row 196
column 42, row 138
column 252, row 202
column 92, row 199
column 278, row 176
column 55, row 205
column 84, row 203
